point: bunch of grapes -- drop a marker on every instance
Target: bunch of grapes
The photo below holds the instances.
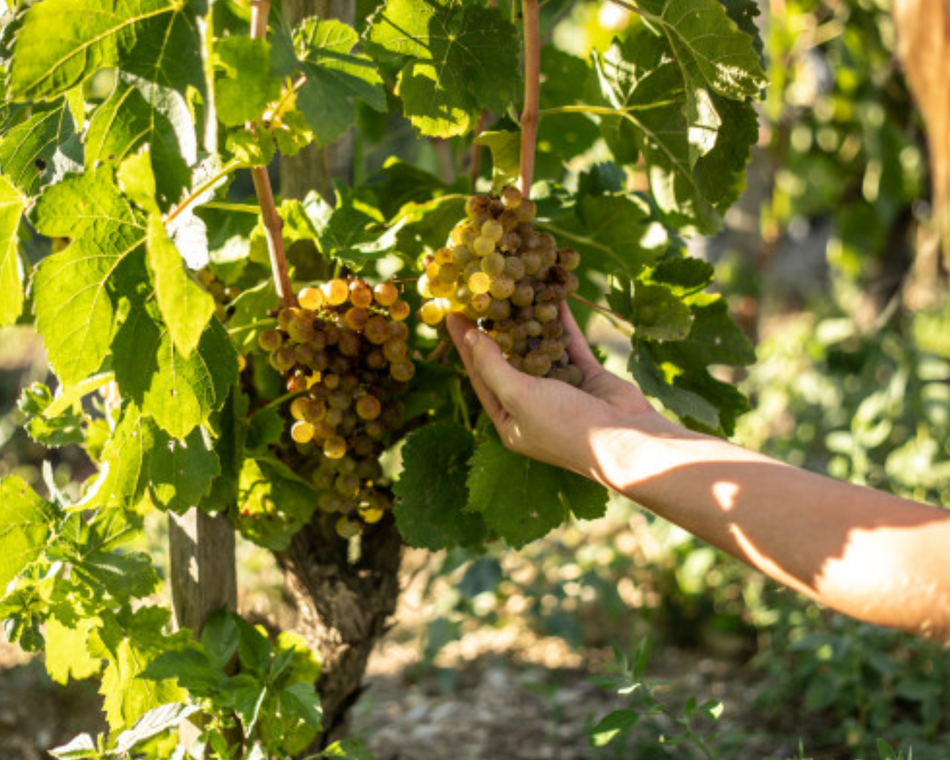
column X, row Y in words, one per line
column 503, row 274
column 343, row 350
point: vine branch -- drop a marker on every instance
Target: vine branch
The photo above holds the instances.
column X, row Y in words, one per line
column 532, row 88
column 273, row 224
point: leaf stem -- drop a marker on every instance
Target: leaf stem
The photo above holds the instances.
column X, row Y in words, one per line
column 610, row 313
column 271, row 220
column 269, row 321
column 224, row 171
column 532, row 92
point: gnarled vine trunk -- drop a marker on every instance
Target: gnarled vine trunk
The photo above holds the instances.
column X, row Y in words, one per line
column 343, row 603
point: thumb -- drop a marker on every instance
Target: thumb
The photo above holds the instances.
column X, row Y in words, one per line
column 489, row 365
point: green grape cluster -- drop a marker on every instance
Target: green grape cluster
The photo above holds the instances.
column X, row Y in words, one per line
column 343, row 350
column 508, row 277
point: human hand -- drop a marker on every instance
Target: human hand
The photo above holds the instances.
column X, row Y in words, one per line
column 543, row 418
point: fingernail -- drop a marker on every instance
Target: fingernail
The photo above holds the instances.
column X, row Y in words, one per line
column 471, row 337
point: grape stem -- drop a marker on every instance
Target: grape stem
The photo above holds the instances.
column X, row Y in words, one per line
column 614, row 316
column 441, row 349
column 532, row 92
column 225, row 170
column 273, row 224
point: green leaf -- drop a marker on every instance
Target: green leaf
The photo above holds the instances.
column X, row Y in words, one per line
column 301, row 700
column 273, row 502
column 26, row 522
column 346, row 231
column 654, row 310
column 425, row 227
column 230, row 432
column 136, row 113
column 220, row 636
column 12, row 204
column 248, row 309
column 181, row 472
column 153, row 723
column 334, row 77
column 123, row 576
column 247, row 85
column 129, row 644
column 521, row 499
column 63, row 42
column 124, row 473
column 459, row 58
column 347, row 749
column 191, row 668
column 186, row 307
column 611, row 232
column 431, row 492
column 616, row 724
column 505, row 150
column 76, row 290
column 708, row 46
column 178, row 393
column 33, row 152
column 81, row 747
column 59, row 430
column 67, row 648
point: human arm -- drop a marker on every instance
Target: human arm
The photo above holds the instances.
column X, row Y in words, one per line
column 869, row 554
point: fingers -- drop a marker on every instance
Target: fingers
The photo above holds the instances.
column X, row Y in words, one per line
column 488, row 370
column 578, row 349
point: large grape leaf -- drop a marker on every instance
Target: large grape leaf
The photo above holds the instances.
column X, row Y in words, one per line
column 124, row 471
column 522, row 499
column 178, row 393
column 460, row 57
column 12, row 204
column 139, row 112
column 32, row 152
column 431, row 492
column 273, row 503
column 181, row 472
column 186, row 307
column 62, row 42
column 128, row 644
column 322, row 50
column 246, row 84
column 67, row 647
column 345, row 231
column 26, row 522
column 76, row 290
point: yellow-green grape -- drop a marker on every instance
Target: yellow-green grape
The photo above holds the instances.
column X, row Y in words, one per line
column 483, row 246
column 480, row 302
column 399, row 310
column 386, row 294
column 545, row 312
column 361, row 294
column 334, row 447
column 368, row 407
column 376, row 330
column 449, row 272
column 311, row 298
column 568, row 258
column 511, row 197
column 298, row 407
column 537, row 363
column 493, row 230
column 270, row 340
column 283, row 359
column 531, row 261
column 479, row 283
column 523, row 294
column 461, row 255
column 432, row 312
column 526, row 210
column 315, row 410
column 356, row 318
column 498, row 310
column 514, row 267
column 493, row 263
column 300, row 328
column 440, row 289
column 336, row 291
column 302, row 431
column 402, row 370
column 442, row 256
column 501, row 286
column 422, row 285
column 394, row 349
column 346, row 528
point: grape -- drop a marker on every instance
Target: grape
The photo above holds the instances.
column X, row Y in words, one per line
column 298, row 408
column 301, row 431
column 270, row 340
column 509, row 277
column 402, row 370
column 311, row 298
column 399, row 310
column 386, row 293
column 368, row 407
column 337, row 291
column 361, row 295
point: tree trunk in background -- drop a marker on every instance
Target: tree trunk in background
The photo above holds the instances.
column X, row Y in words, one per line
column 343, row 602
column 315, row 168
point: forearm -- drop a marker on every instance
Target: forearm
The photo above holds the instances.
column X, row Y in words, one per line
column 869, row 554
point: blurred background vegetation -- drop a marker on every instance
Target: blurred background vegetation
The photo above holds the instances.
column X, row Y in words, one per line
column 831, row 268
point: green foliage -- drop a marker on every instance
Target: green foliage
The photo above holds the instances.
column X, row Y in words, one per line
column 124, row 136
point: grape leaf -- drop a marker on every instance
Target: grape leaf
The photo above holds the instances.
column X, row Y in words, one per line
column 321, row 49
column 505, row 150
column 129, row 643
column 31, row 151
column 177, row 392
column 12, row 204
column 50, row 430
column 610, row 231
column 76, row 290
column 346, row 231
column 431, row 493
column 26, row 522
column 654, row 310
column 708, row 45
column 273, row 502
column 230, row 432
column 247, row 85
column 123, row 475
column 62, row 42
column 462, row 57
column 67, row 648
column 522, row 499
column 139, row 112
column 153, row 723
column 425, row 227
column 181, row 472
column 186, row 307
